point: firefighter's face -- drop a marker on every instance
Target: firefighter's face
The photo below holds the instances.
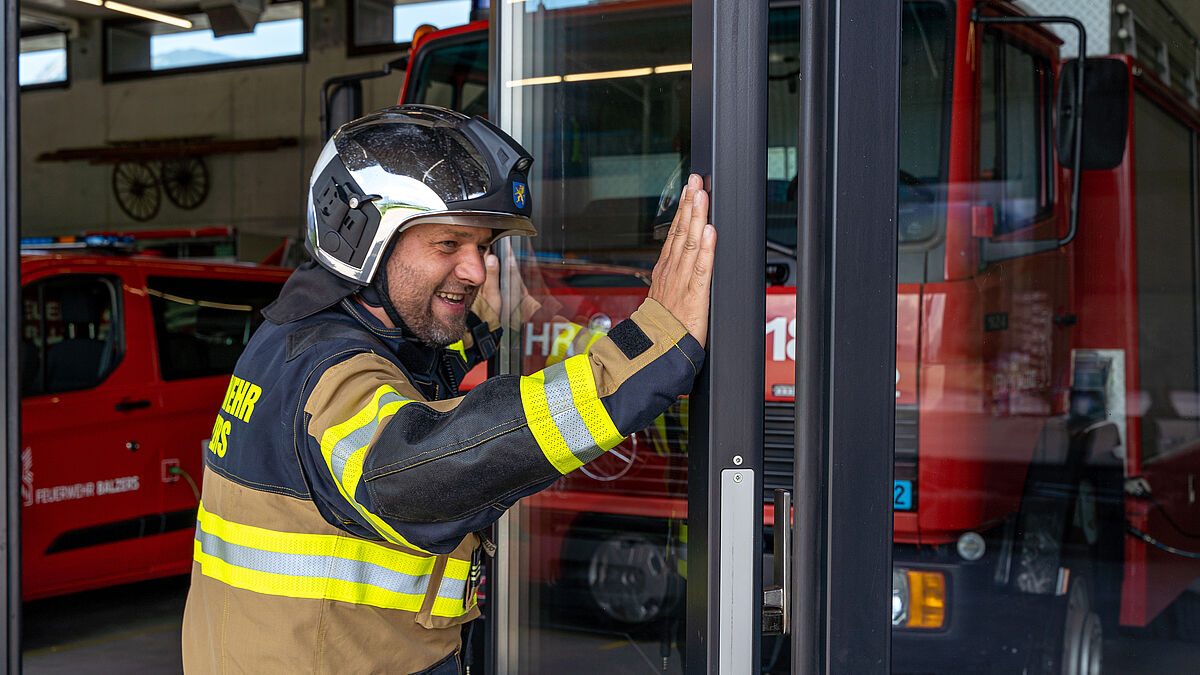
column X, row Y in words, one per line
column 434, row 274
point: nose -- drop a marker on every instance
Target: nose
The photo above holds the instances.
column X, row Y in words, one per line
column 470, row 268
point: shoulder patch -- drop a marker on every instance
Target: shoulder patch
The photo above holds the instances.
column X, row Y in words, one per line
column 630, row 339
column 301, row 340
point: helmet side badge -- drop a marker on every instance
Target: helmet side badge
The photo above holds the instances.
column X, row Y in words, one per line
column 518, row 192
column 345, row 217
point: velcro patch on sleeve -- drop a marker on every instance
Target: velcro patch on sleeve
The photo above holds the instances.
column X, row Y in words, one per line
column 630, row 339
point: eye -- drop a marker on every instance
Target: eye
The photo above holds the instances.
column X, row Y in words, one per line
column 448, row 244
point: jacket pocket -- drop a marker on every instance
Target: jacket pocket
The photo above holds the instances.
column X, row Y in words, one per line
column 451, row 599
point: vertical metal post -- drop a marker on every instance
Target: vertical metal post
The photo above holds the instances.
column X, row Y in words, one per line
column 10, row 562
column 845, row 336
column 729, row 80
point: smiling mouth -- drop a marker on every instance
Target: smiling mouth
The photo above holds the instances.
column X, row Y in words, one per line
column 451, row 298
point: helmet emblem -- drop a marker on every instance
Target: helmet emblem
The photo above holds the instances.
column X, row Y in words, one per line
column 519, row 194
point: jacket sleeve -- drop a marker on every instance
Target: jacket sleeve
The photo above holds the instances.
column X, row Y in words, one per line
column 424, row 474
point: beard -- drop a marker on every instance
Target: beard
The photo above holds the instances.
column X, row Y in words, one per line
column 414, row 300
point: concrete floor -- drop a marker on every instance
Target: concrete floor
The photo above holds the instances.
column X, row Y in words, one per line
column 135, row 628
column 131, row 628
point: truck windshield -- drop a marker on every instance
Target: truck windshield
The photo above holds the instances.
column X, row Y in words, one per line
column 924, row 120
column 620, row 164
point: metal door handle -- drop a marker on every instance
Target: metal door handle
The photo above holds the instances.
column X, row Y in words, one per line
column 126, row 406
column 777, row 598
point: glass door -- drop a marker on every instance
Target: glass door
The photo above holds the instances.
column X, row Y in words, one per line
column 599, row 93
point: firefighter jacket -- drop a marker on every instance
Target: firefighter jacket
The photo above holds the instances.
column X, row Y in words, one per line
column 346, row 478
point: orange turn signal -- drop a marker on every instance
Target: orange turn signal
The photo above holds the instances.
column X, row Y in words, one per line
column 927, row 599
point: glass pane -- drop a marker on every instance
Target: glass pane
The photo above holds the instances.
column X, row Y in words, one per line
column 154, row 46
column 70, row 323
column 598, row 562
column 42, row 59
column 202, row 325
column 387, row 22
column 1048, row 385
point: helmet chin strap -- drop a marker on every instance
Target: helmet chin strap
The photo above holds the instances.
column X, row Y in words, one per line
column 376, row 293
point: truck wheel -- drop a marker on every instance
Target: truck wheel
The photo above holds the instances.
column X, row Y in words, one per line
column 622, row 574
column 1081, row 647
column 628, row 578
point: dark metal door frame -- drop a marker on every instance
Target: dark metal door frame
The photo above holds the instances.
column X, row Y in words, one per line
column 845, row 336
column 10, row 561
column 729, row 148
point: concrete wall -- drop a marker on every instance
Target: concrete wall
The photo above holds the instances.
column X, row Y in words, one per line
column 261, row 194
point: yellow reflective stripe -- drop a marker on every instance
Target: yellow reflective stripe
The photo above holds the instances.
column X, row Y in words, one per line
column 316, row 566
column 458, row 348
column 542, row 426
column 587, row 401
column 326, row 544
column 344, row 447
column 571, row 389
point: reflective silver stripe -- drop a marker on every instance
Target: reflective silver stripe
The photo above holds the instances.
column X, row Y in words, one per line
column 321, row 567
column 452, row 589
column 358, row 438
column 561, row 403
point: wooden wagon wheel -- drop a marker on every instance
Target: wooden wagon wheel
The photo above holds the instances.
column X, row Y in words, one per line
column 136, row 190
column 185, row 180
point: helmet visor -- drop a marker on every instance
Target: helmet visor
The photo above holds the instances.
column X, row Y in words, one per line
column 428, row 150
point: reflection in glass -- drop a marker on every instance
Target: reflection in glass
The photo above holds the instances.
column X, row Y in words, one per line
column 1047, row 432
column 1047, row 400
column 603, row 92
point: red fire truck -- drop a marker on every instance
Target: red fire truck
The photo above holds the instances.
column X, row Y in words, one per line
column 124, row 357
column 1047, row 382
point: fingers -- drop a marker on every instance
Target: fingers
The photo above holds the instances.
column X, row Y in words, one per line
column 703, row 266
column 679, row 224
column 687, row 242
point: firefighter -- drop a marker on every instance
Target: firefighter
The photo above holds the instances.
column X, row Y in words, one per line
column 347, row 480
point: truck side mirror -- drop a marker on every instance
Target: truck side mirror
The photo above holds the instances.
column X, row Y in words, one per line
column 1105, row 117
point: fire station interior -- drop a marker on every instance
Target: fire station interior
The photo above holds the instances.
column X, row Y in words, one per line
column 1045, row 433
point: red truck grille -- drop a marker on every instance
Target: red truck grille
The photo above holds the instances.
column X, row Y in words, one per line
column 779, row 430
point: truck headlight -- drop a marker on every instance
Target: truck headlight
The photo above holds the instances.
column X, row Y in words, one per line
column 918, row 598
column 899, row 597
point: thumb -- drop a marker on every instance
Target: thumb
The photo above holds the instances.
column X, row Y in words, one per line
column 491, row 285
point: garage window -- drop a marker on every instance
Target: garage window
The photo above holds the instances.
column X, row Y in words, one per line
column 202, row 41
column 71, row 336
column 382, row 25
column 202, row 325
column 42, row 62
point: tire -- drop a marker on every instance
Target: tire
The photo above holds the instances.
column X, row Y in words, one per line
column 623, row 575
column 1076, row 646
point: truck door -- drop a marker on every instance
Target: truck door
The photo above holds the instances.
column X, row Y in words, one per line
column 87, row 481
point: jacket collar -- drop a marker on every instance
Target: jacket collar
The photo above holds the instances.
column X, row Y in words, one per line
column 420, row 360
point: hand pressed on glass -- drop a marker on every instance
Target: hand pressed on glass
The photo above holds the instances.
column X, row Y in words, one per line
column 683, row 273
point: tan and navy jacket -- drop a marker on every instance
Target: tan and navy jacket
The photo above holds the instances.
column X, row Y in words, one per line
column 346, row 478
